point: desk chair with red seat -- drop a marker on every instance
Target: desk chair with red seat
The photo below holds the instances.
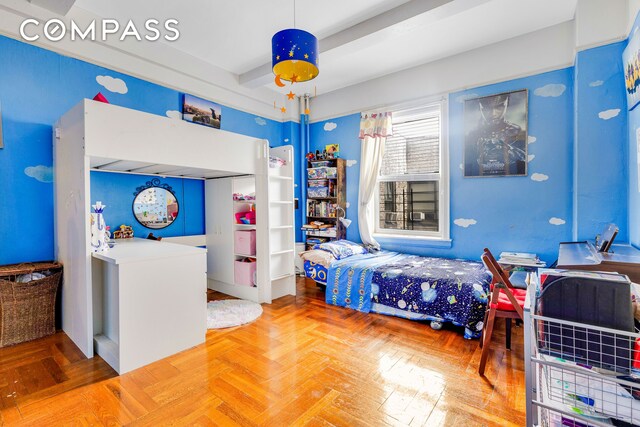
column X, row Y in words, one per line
column 505, row 301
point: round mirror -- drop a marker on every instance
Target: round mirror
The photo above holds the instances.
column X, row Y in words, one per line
column 155, row 207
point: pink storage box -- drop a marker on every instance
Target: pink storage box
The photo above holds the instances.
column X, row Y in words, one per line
column 245, row 273
column 245, row 242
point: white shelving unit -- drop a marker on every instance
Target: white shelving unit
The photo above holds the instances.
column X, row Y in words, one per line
column 281, row 225
column 274, row 228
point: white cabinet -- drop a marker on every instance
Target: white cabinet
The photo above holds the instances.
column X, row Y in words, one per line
column 219, row 227
column 274, row 227
column 150, row 301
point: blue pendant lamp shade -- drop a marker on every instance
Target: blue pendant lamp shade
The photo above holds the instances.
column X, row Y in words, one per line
column 294, row 55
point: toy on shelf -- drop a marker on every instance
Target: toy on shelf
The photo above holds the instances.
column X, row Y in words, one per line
column 239, row 197
column 330, row 153
column 125, row 232
column 246, row 217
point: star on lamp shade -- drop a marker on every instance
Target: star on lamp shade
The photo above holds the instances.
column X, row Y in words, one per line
column 295, row 55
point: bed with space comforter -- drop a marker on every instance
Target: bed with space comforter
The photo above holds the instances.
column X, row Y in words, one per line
column 414, row 287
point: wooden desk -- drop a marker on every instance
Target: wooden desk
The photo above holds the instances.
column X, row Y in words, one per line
column 623, row 259
column 149, row 301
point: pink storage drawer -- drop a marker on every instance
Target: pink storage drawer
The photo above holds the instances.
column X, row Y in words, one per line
column 245, row 273
column 245, row 242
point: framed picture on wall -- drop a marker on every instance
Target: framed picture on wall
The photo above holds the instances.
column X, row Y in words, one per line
column 201, row 111
column 631, row 64
column 495, row 138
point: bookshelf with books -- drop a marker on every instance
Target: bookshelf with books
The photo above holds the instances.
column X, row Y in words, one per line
column 326, row 201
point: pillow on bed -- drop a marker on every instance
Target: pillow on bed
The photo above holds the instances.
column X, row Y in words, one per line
column 342, row 248
column 315, row 256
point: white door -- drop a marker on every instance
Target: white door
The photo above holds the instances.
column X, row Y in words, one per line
column 219, row 226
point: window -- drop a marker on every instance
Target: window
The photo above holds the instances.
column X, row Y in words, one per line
column 412, row 189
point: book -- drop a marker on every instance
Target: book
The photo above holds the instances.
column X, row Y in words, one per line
column 519, row 256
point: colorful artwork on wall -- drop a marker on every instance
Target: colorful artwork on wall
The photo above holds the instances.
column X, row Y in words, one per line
column 631, row 64
column 201, row 111
column 496, row 135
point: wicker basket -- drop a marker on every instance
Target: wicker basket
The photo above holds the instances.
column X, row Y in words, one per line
column 27, row 310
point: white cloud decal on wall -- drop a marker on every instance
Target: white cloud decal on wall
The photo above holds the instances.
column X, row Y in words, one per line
column 539, row 177
column 557, row 221
column 348, row 205
column 531, row 139
column 551, row 90
column 596, row 83
column 609, row 114
column 461, row 166
column 329, row 126
column 260, row 121
column 531, row 157
column 465, row 222
column 286, row 140
column 463, row 98
column 173, row 114
column 41, row 173
column 351, row 163
column 112, row 84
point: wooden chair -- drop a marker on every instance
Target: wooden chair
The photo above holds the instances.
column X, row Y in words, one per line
column 505, row 301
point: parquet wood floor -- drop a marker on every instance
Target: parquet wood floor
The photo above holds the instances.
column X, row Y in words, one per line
column 303, row 363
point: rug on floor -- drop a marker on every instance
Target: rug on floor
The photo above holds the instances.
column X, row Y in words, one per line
column 232, row 312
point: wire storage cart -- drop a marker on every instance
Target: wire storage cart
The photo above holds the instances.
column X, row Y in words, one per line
column 578, row 374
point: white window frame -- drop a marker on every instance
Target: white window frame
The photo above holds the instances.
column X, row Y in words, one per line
column 443, row 205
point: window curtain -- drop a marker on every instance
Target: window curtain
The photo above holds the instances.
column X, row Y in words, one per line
column 374, row 130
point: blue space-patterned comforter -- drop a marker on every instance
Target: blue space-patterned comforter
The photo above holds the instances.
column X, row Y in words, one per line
column 425, row 288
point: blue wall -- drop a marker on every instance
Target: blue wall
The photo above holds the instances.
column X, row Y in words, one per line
column 632, row 163
column 524, row 214
column 600, row 184
column 510, row 213
column 536, row 212
column 343, row 131
column 36, row 88
column 116, row 191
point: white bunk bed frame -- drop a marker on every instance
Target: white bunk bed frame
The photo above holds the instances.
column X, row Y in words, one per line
column 99, row 136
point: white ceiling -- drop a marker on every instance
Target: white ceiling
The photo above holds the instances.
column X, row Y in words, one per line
column 236, row 35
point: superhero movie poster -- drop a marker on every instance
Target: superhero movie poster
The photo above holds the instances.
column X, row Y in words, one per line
column 496, row 135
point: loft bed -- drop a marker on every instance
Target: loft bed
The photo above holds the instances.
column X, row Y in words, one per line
column 413, row 287
column 100, row 136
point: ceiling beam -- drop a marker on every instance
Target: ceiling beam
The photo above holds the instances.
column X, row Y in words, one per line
column 61, row 7
column 398, row 19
